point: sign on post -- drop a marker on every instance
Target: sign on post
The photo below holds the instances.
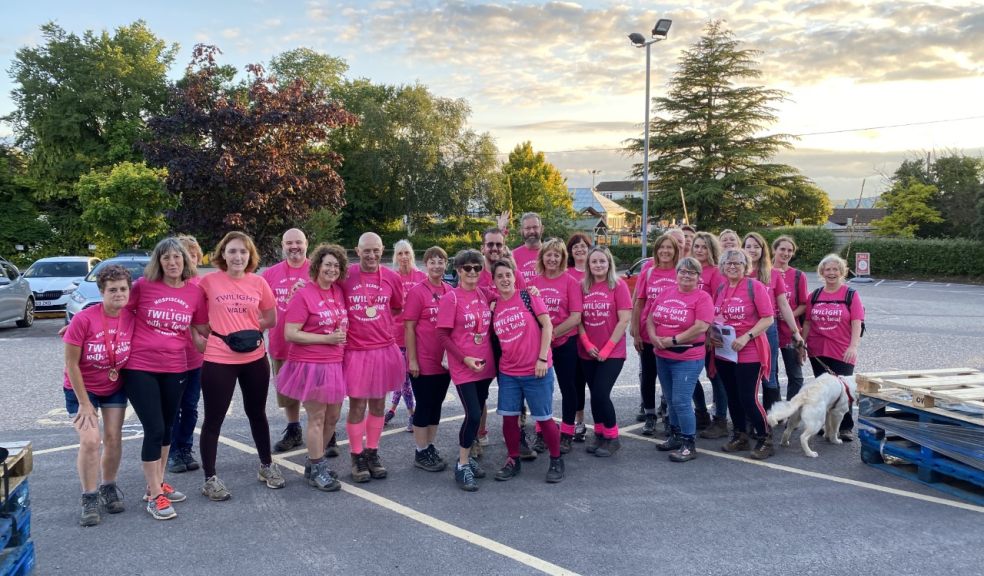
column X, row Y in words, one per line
column 862, row 264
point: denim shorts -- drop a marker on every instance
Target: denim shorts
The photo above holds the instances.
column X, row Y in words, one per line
column 537, row 391
column 115, row 400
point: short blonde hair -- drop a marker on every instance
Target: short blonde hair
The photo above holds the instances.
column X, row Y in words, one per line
column 254, row 256
column 841, row 264
column 556, row 245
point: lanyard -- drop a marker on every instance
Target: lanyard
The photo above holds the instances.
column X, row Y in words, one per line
column 110, row 345
column 334, row 308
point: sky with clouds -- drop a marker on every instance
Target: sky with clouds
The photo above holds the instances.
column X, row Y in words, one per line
column 870, row 83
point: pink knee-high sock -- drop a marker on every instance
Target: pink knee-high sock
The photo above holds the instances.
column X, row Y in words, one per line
column 551, row 437
column 566, row 428
column 355, row 433
column 374, row 429
column 611, row 433
column 510, row 431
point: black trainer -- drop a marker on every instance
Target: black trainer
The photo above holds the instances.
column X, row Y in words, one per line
column 686, row 452
column 189, row 460
column 425, row 460
column 292, row 438
column 111, row 497
column 509, row 470
column 556, row 471
column 673, row 442
column 465, row 478
column 580, row 430
column 641, row 414
column 649, row 428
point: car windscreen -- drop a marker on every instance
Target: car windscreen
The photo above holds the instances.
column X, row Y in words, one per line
column 57, row 270
column 136, row 268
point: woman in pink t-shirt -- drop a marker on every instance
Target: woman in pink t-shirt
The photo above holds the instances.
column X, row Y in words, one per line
column 561, row 293
column 315, row 328
column 707, row 250
column 783, row 250
column 429, row 378
column 601, row 347
column 743, row 307
column 463, row 321
column 832, row 327
column 241, row 306
column 97, row 346
column 659, row 277
column 405, row 264
column 167, row 307
column 729, row 240
column 676, row 324
column 578, row 246
column 524, row 331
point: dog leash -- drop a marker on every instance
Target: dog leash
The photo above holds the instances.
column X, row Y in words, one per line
column 847, row 389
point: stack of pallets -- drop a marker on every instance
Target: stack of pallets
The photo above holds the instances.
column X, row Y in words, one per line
column 16, row 548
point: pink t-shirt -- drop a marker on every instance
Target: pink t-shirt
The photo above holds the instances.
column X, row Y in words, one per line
column 519, row 335
column 709, row 279
column 467, row 314
column 732, row 306
column 407, row 282
column 423, row 303
column 525, row 259
column 600, row 316
column 381, row 291
column 86, row 331
column 487, row 286
column 830, row 323
column 675, row 312
column 562, row 296
column 776, row 285
column 234, row 304
column 649, row 286
column 281, row 278
column 575, row 273
column 318, row 312
column 797, row 295
column 194, row 357
column 164, row 318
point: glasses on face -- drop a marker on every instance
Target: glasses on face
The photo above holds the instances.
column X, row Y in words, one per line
column 494, row 244
column 733, row 264
column 472, row 268
column 684, row 272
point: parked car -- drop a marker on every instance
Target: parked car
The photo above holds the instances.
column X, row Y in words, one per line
column 632, row 274
column 53, row 279
column 87, row 294
column 16, row 298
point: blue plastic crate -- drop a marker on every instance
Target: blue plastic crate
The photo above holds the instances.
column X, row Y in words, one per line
column 20, row 497
column 20, row 530
column 17, row 561
column 6, row 531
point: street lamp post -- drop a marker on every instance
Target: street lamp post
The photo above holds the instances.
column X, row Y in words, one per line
column 660, row 31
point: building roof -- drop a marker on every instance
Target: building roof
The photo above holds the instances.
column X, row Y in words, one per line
column 619, row 186
column 585, row 198
column 858, row 215
column 590, row 224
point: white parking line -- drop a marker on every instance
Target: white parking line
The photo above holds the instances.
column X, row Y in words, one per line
column 74, row 446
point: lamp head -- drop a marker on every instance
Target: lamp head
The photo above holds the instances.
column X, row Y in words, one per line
column 662, row 28
column 637, row 39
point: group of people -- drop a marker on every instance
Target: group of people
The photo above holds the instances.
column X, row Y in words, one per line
column 546, row 311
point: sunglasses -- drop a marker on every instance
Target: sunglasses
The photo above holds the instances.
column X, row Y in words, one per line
column 472, row 268
column 494, row 244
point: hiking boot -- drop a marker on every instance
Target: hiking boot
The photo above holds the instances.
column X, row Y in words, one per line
column 565, row 443
column 717, row 429
column 175, row 463
column 641, row 414
column 703, row 419
column 309, row 469
column 90, row 510
column 465, row 478
column 556, row 471
column 674, row 442
column 476, row 450
column 596, row 443
column 686, row 451
column 649, row 428
column 376, row 470
column 189, row 460
column 111, row 497
column 360, row 469
column 477, row 470
column 539, row 445
column 169, row 492
column 215, row 490
column 390, row 414
column 292, row 438
column 272, row 475
column 580, row 430
column 160, row 508
column 426, row 460
column 846, row 435
column 509, row 470
column 525, row 452
column 331, row 450
column 609, row 448
column 738, row 443
column 322, row 477
column 763, row 448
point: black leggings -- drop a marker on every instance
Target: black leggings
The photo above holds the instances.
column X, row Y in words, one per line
column 580, row 383
column 840, row 368
column 601, row 377
column 218, row 385
column 647, row 377
column 741, row 382
column 155, row 397
column 429, row 391
column 473, row 396
column 565, row 367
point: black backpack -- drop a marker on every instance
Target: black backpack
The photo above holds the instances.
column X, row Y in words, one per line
column 848, row 299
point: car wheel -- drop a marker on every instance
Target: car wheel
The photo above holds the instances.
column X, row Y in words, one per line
column 28, row 319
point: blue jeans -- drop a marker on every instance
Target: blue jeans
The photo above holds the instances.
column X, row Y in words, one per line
column 115, row 400
column 183, row 430
column 678, row 378
column 537, row 391
column 772, row 333
column 720, row 398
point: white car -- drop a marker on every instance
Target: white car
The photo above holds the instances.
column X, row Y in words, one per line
column 54, row 279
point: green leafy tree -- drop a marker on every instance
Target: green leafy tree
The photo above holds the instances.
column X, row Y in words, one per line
column 320, row 71
column 536, row 185
column 124, row 206
column 706, row 138
column 20, row 221
column 909, row 207
column 960, row 180
column 795, row 198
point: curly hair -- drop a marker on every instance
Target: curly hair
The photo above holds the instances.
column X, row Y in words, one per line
column 113, row 273
column 318, row 255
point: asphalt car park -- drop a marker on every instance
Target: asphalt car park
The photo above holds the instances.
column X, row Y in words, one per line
column 630, row 514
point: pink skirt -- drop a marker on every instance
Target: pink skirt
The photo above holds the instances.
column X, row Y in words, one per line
column 374, row 373
column 312, row 381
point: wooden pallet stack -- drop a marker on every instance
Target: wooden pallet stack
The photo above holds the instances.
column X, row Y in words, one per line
column 16, row 547
column 926, row 425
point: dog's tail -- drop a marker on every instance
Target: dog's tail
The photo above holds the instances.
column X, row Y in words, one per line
column 783, row 410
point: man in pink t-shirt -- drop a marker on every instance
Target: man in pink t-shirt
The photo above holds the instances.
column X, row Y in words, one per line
column 526, row 254
column 493, row 249
column 284, row 279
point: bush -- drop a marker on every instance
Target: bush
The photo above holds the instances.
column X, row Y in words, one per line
column 905, row 256
column 814, row 243
column 626, row 254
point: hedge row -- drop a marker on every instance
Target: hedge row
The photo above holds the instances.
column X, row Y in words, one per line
column 920, row 257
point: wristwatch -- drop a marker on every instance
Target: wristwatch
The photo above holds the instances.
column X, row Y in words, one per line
column 674, row 341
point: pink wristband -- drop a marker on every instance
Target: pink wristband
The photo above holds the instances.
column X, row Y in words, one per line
column 586, row 342
column 609, row 346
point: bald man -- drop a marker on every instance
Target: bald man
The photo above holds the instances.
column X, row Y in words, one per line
column 374, row 365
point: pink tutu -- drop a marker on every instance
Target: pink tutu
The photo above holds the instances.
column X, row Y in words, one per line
column 374, row 373
column 312, row 381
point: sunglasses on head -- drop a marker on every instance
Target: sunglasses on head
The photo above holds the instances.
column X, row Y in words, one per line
column 472, row 267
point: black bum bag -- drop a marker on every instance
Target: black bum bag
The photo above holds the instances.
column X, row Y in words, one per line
column 242, row 340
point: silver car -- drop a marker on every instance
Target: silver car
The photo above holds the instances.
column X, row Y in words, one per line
column 16, row 299
column 87, row 294
column 54, row 279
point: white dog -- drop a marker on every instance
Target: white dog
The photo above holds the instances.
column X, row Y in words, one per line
column 822, row 403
